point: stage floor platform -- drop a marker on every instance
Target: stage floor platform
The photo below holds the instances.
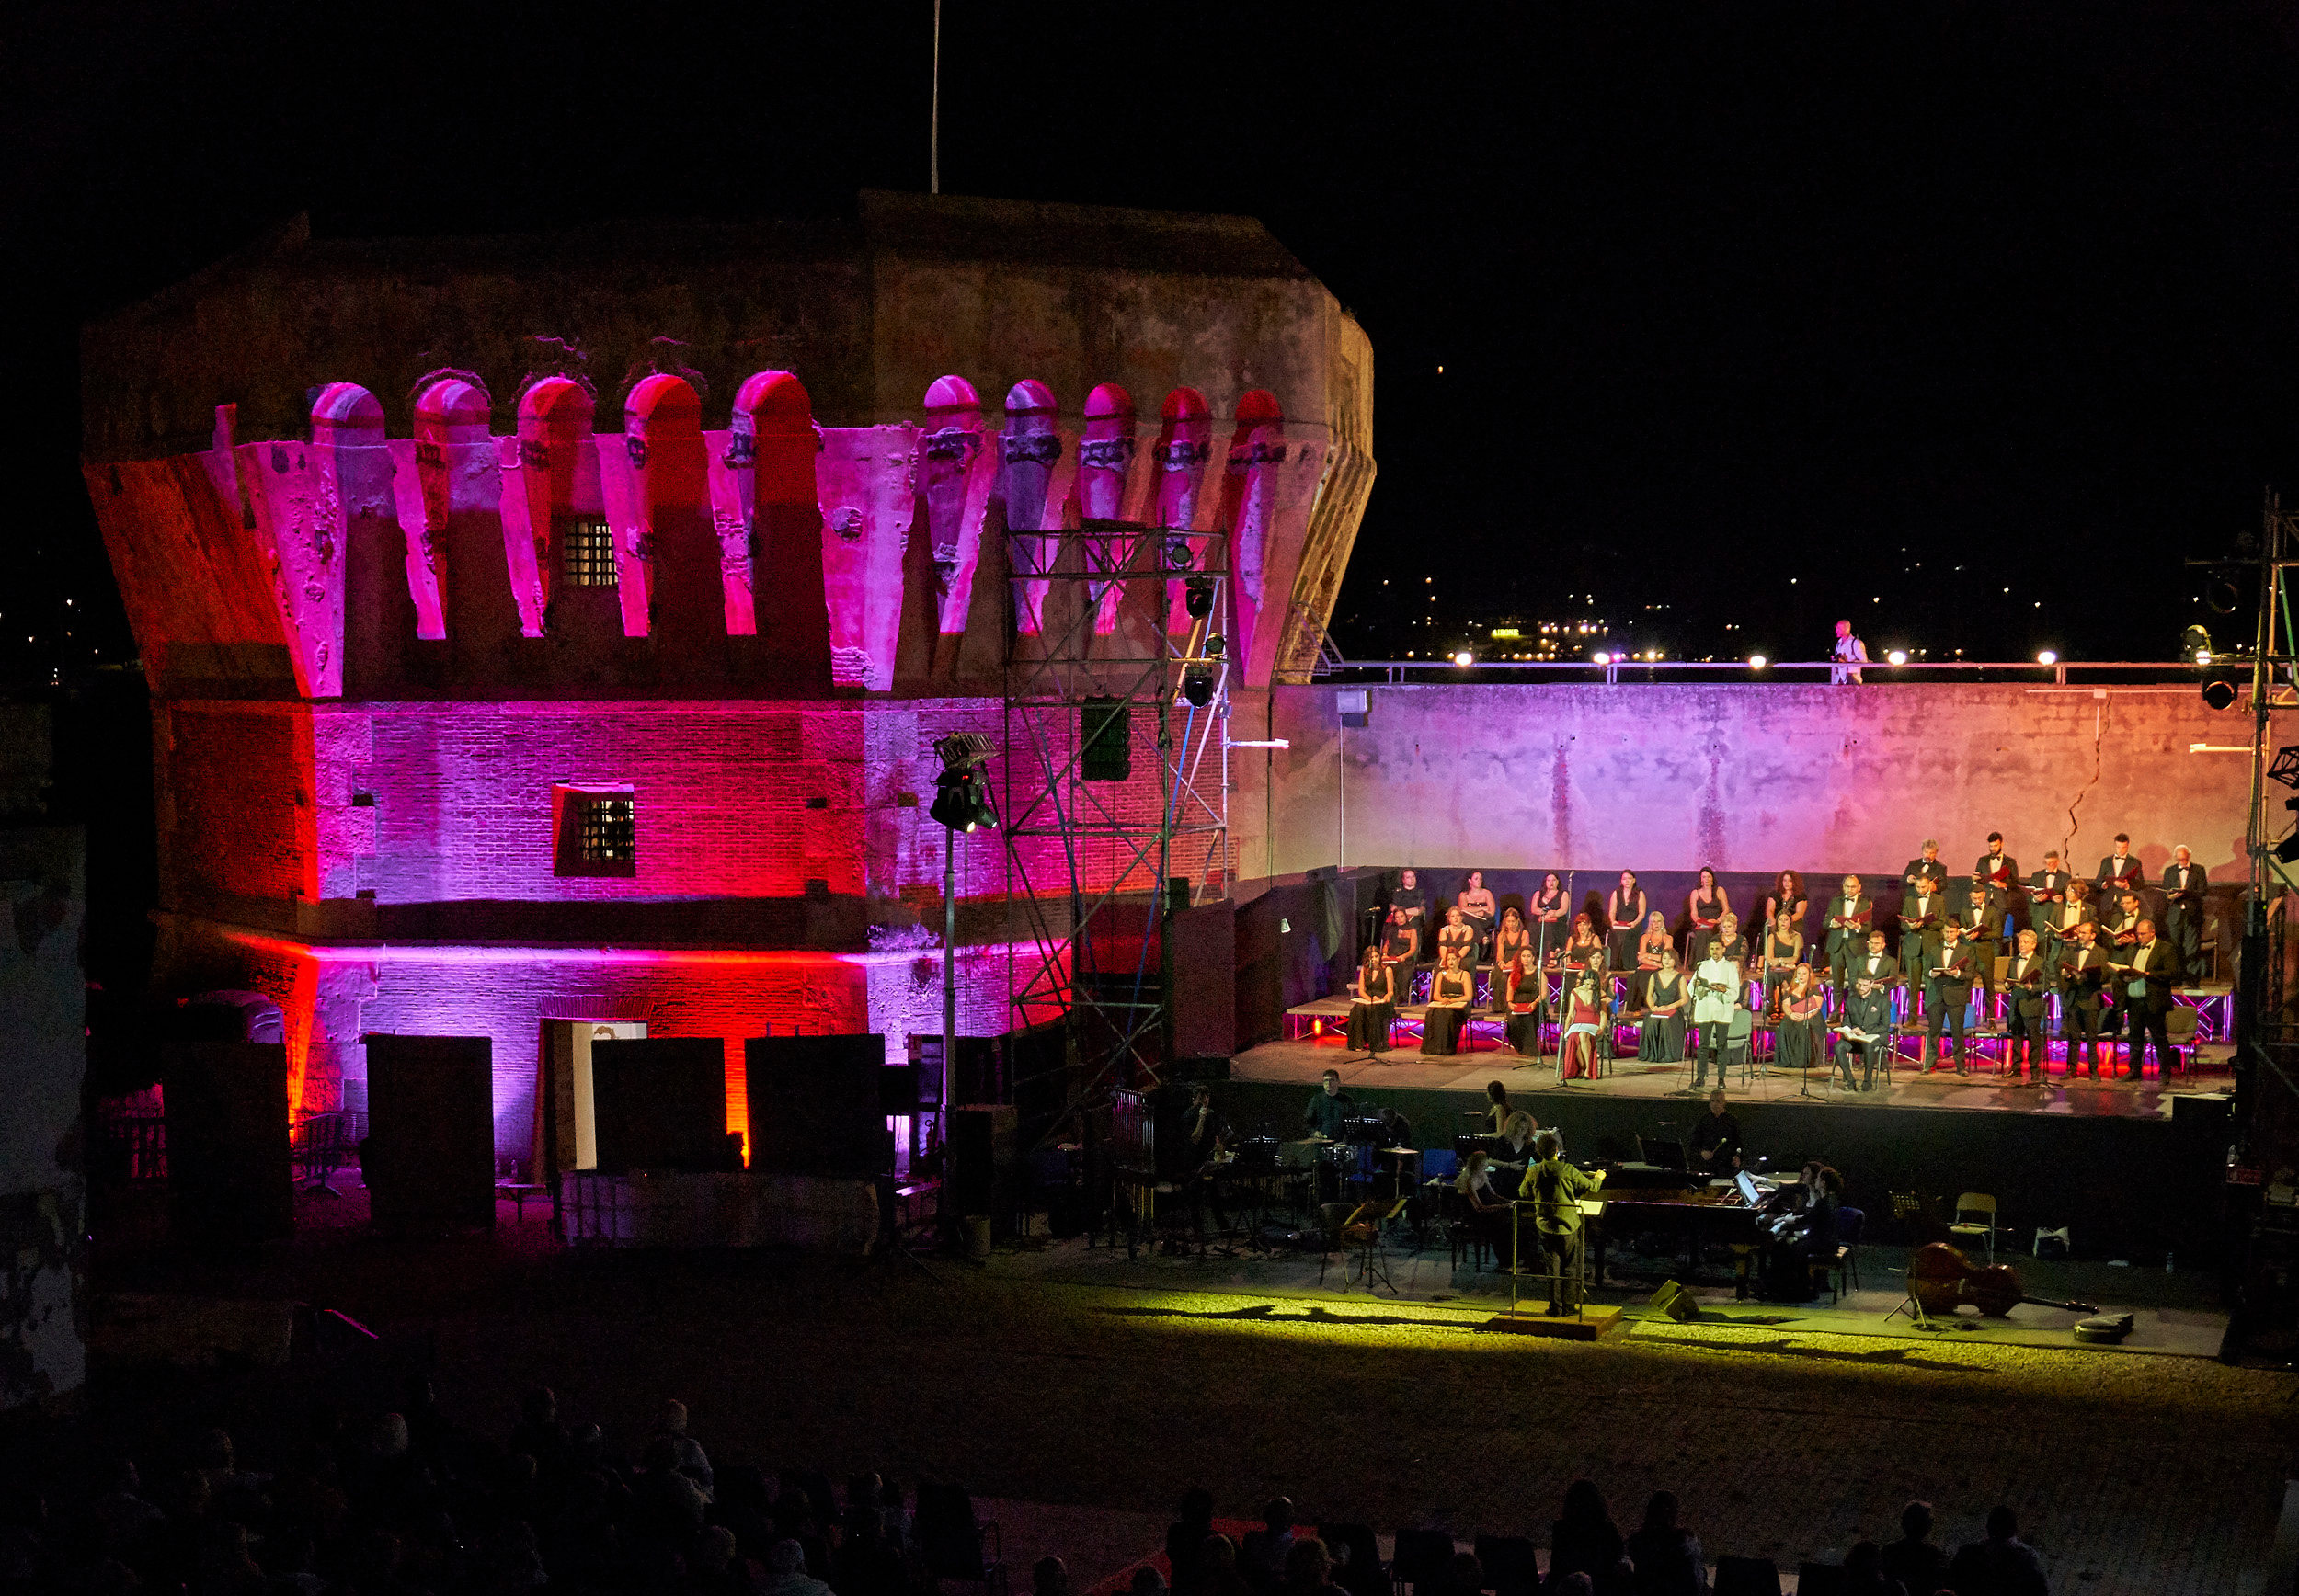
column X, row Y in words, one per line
column 1986, row 1089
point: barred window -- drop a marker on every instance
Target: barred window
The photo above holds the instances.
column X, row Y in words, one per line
column 607, row 830
column 586, row 551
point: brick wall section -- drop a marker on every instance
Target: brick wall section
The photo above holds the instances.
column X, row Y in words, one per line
column 236, row 804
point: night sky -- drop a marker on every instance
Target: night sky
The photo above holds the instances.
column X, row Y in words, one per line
column 1966, row 321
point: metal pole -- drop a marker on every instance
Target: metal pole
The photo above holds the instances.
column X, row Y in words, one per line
column 949, row 983
column 934, row 159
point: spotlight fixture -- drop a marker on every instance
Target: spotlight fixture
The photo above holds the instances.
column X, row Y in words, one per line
column 1898, row 657
column 962, row 799
column 1601, row 657
column 1177, row 554
column 2286, row 765
column 1217, row 645
column 2047, row 657
column 1197, row 597
column 1197, row 686
column 2219, row 692
column 2221, row 596
column 1464, row 659
column 2196, row 642
column 1757, row 662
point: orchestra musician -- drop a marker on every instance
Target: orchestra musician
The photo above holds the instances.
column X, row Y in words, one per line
column 1547, row 913
column 1476, row 906
column 1449, row 994
column 1947, row 990
column 2000, row 873
column 2119, row 872
column 1797, row 1041
column 1715, row 1147
column 1496, row 1107
column 1208, row 1132
column 1849, row 913
column 1522, row 991
column 2082, row 969
column 1584, row 1020
column 1715, row 994
column 1662, row 1038
column 1925, row 873
column 1517, row 1135
column 1456, row 937
column 1328, row 1108
column 1487, row 1208
column 1373, row 1004
column 1784, row 956
column 1802, row 1230
column 1401, row 947
column 1556, row 1189
column 1866, row 1028
column 2047, row 891
column 2149, row 976
column 1651, row 946
column 1708, row 905
column 2024, row 983
column 1508, row 942
column 2183, row 887
column 1624, row 918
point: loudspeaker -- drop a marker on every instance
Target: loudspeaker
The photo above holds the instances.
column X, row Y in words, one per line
column 660, row 1102
column 815, row 1105
column 897, row 1089
column 1675, row 1301
column 1105, row 749
column 230, row 1178
column 1204, row 980
column 430, row 1159
column 984, row 1146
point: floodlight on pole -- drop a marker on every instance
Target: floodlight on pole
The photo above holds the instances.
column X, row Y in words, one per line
column 962, row 802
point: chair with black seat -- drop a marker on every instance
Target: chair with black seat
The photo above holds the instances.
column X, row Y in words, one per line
column 1357, row 1555
column 1740, row 1046
column 1746, row 1577
column 1330, row 1217
column 1851, row 1224
column 1462, row 1233
column 1423, row 1557
column 1511, row 1563
column 953, row 1545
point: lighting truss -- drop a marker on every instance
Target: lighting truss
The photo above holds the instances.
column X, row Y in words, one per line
column 1094, row 609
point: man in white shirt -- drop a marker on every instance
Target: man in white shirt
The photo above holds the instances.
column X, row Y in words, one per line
column 1715, row 994
column 1849, row 654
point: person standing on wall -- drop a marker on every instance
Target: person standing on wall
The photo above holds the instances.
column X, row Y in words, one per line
column 1848, row 655
column 2183, row 885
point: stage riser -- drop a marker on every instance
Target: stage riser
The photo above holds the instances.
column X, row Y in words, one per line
column 2126, row 1188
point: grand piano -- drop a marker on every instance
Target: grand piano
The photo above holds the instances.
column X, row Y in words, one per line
column 1645, row 1200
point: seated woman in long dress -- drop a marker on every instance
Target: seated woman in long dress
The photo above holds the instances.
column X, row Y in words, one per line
column 1708, row 906
column 1650, row 947
column 1510, row 940
column 1456, row 938
column 1661, row 1041
column 1373, row 1007
column 1448, row 1005
column 1476, row 906
column 1798, row 1033
column 1400, row 946
column 1521, row 991
column 1547, row 914
column 1583, row 1021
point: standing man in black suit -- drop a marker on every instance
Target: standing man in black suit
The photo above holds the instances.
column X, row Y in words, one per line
column 1849, row 915
column 2000, row 873
column 2119, row 872
column 2083, row 973
column 2151, row 972
column 1947, row 988
column 1925, row 868
column 1921, row 913
column 2047, row 890
column 2026, row 979
column 1979, row 917
column 2183, row 887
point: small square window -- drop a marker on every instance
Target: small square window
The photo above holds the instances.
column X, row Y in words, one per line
column 586, row 551
column 595, row 831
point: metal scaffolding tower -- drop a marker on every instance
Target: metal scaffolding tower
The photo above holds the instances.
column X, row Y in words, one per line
column 1115, row 799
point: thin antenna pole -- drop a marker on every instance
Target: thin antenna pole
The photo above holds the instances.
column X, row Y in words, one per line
column 934, row 159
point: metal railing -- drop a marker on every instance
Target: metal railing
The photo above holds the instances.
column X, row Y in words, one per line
column 1403, row 672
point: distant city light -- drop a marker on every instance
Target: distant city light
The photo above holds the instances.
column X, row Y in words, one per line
column 1462, row 658
column 1757, row 662
column 2047, row 657
column 1898, row 657
column 1601, row 657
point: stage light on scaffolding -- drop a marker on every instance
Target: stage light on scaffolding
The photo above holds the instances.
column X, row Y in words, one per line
column 1897, row 656
column 2045, row 656
column 1177, row 554
column 962, row 799
column 1197, row 597
column 2284, row 766
column 1601, row 657
column 1197, row 686
column 2196, row 644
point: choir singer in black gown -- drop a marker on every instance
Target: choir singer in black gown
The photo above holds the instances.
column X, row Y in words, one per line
column 1374, row 1007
